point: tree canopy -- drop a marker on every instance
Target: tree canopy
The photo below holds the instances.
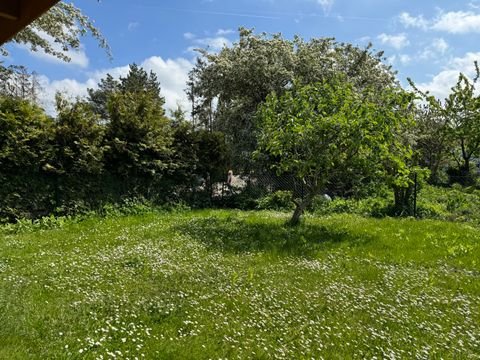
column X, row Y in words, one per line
column 329, row 129
column 227, row 87
column 455, row 124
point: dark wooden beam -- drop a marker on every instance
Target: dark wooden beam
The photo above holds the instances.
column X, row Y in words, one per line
column 10, row 9
column 17, row 14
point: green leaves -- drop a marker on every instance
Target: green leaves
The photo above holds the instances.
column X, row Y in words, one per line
column 451, row 127
column 319, row 131
column 239, row 79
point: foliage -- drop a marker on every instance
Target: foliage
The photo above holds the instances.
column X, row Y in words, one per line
column 461, row 116
column 279, row 200
column 463, row 113
column 459, row 204
column 432, row 142
column 137, row 136
column 370, row 207
column 136, row 81
column 319, row 132
column 77, row 163
column 59, row 31
column 25, row 150
column 17, row 81
column 137, row 132
column 453, row 204
column 227, row 87
column 200, row 159
column 78, row 140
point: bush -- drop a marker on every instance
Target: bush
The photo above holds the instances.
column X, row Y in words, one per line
column 456, row 203
column 279, row 200
column 372, row 206
column 336, row 206
column 376, row 206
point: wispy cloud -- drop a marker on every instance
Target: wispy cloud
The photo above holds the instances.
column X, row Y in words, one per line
column 326, row 5
column 437, row 47
column 224, row 32
column 398, row 41
column 133, row 25
column 212, row 43
column 454, row 22
column 410, row 21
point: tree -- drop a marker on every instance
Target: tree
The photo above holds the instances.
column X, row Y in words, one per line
column 98, row 98
column 25, row 151
column 77, row 162
column 432, row 141
column 461, row 113
column 317, row 131
column 138, row 137
column 462, row 109
column 58, row 31
column 199, row 158
column 227, row 87
column 136, row 81
column 17, row 81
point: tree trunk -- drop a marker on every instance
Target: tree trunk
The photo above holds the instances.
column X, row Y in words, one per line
column 403, row 200
column 300, row 208
column 465, row 177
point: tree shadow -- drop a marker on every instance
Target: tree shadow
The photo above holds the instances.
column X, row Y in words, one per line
column 235, row 235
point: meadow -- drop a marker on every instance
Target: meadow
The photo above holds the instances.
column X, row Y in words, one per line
column 230, row 284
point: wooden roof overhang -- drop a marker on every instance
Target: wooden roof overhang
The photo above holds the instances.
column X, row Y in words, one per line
column 17, row 14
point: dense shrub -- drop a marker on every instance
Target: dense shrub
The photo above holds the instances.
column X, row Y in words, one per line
column 279, row 200
column 374, row 206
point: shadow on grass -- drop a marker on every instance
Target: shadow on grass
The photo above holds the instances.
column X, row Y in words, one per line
column 244, row 235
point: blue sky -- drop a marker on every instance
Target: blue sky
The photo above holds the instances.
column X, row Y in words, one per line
column 429, row 41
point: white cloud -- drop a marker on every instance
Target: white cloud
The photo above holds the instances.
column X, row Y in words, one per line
column 224, row 32
column 172, row 74
column 392, row 59
column 453, row 22
column 68, row 87
column 440, row 84
column 405, row 59
column 211, row 43
column 189, row 36
column 410, row 21
column 458, row 22
column 474, row 5
column 326, row 5
column 396, row 41
column 215, row 43
column 437, row 48
column 440, row 45
column 133, row 25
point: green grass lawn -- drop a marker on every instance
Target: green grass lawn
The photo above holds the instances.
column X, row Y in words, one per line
column 240, row 285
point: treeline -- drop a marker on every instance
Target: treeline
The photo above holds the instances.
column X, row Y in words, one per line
column 116, row 144
column 329, row 114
